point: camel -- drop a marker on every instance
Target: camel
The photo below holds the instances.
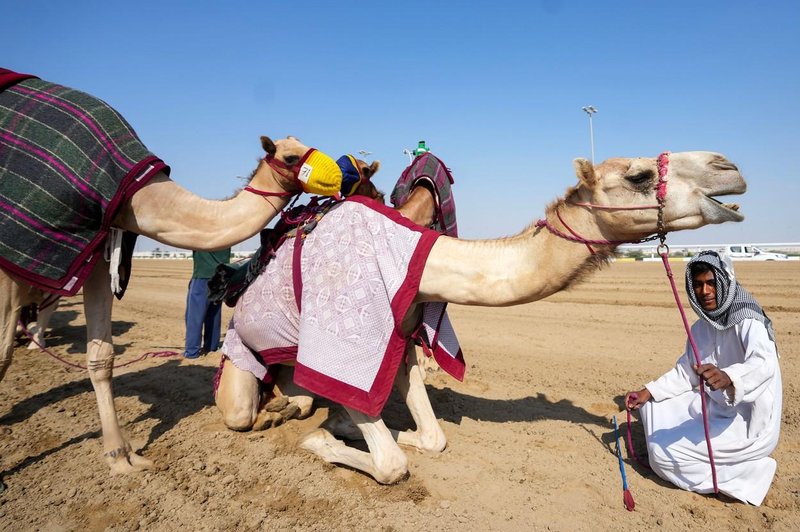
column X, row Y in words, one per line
column 168, row 213
column 243, row 402
column 618, row 201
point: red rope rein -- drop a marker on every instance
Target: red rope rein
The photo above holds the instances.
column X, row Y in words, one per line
column 665, row 260
column 149, row 354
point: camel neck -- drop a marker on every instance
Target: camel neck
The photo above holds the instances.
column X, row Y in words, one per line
column 508, row 271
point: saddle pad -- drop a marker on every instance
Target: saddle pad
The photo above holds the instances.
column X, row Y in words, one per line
column 68, row 161
column 360, row 269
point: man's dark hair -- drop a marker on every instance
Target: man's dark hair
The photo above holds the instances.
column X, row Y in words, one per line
column 700, row 267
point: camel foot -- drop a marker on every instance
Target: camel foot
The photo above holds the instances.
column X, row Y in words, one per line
column 124, row 462
column 274, row 413
column 38, row 338
column 33, row 346
column 432, row 442
column 304, row 404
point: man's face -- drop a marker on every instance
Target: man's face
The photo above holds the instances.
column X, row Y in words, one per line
column 705, row 289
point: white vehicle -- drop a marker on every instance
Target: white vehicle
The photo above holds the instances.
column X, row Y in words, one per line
column 748, row 252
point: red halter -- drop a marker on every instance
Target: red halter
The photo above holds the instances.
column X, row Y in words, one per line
column 661, row 195
column 285, row 170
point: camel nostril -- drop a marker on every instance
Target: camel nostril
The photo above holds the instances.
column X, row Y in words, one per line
column 724, row 164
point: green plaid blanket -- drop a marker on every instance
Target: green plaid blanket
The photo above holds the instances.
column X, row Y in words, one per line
column 68, row 161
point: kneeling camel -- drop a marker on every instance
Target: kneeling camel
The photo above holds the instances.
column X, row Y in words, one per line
column 620, row 200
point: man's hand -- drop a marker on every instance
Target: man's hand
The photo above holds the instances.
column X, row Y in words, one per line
column 634, row 400
column 714, row 377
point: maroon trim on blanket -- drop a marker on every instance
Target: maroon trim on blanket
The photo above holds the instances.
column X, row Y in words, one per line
column 83, row 264
column 372, row 402
column 9, row 78
column 454, row 366
column 297, row 278
column 387, row 211
column 278, row 355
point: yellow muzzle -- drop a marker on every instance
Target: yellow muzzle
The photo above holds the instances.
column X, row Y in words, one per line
column 319, row 174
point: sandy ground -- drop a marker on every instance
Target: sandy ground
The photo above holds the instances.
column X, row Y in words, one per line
column 529, row 434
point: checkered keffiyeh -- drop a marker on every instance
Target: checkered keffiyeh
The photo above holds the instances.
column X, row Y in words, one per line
column 734, row 303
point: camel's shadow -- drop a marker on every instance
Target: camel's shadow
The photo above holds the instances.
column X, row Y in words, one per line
column 63, row 332
column 169, row 390
column 451, row 405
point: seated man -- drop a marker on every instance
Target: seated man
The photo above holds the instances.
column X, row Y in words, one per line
column 741, row 378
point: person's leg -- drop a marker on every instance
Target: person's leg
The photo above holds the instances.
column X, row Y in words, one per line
column 211, row 327
column 195, row 314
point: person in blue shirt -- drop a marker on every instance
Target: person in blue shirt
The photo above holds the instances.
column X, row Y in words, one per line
column 203, row 318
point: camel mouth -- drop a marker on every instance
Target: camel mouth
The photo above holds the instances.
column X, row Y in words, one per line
column 724, row 212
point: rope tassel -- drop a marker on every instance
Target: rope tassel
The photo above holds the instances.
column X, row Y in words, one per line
column 627, row 498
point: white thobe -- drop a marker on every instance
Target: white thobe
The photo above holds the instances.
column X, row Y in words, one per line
column 744, row 428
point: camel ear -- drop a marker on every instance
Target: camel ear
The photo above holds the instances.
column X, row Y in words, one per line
column 371, row 170
column 585, row 171
column 268, row 146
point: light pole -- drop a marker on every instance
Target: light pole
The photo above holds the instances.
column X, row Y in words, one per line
column 364, row 153
column 410, row 155
column 590, row 110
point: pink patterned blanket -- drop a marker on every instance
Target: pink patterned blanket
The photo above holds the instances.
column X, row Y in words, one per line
column 359, row 271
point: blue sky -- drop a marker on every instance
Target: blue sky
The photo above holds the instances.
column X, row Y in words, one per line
column 495, row 88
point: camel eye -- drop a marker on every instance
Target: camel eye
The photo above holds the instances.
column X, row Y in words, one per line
column 641, row 178
column 289, row 160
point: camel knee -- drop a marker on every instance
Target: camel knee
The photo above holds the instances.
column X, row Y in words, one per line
column 391, row 468
column 238, row 410
column 239, row 417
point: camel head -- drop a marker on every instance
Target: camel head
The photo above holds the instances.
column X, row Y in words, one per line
column 288, row 152
column 365, row 186
column 693, row 180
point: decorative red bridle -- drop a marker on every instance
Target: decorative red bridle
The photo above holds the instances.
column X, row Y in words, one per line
column 289, row 171
column 661, row 232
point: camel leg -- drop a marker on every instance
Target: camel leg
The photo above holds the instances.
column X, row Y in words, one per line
column 10, row 307
column 410, row 382
column 237, row 397
column 38, row 329
column 97, row 303
column 385, row 461
column 245, row 406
